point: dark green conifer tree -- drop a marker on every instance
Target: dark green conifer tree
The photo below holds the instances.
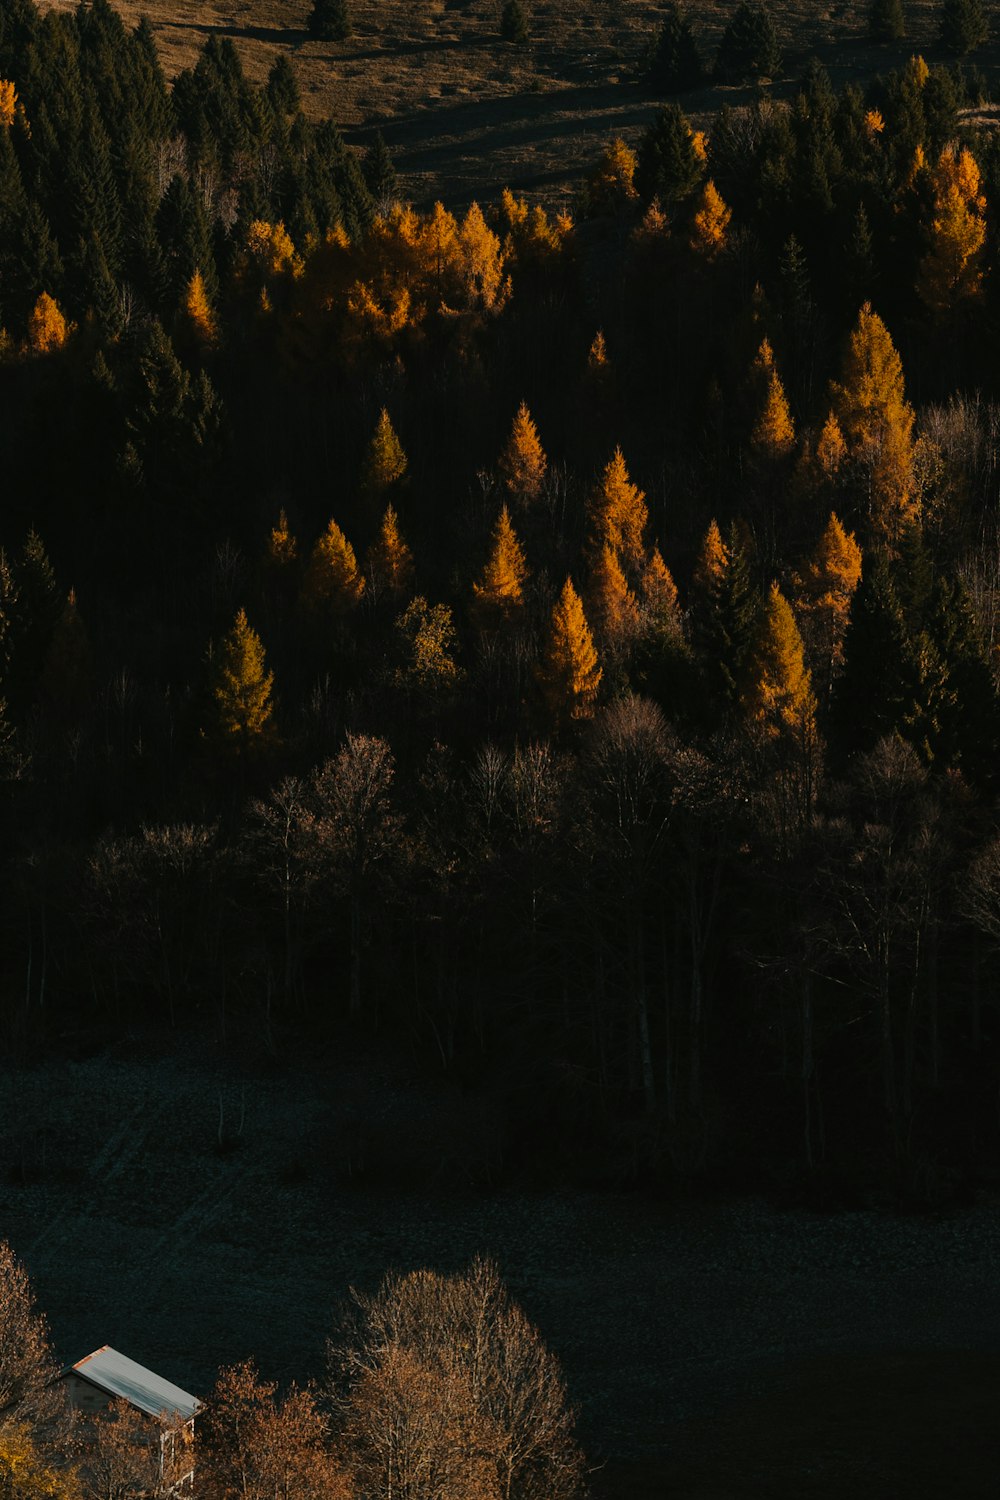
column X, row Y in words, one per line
column 876, row 692
column 886, row 22
column 330, row 21
column 669, row 168
column 677, row 62
column 962, row 25
column 749, row 46
column 380, row 174
column 283, row 87
column 514, row 23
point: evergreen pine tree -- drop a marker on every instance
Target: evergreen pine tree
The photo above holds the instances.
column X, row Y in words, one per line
column 875, row 692
column 962, row 26
column 885, row 21
column 283, row 87
column 330, row 21
column 677, row 63
column 379, row 172
column 749, row 46
column 669, row 165
column 66, row 684
column 514, row 26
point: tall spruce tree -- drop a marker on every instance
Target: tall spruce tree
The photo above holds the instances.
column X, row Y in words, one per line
column 962, row 25
column 669, row 167
column 677, row 62
column 886, row 22
column 749, row 46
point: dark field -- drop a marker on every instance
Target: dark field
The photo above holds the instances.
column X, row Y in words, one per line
column 715, row 1350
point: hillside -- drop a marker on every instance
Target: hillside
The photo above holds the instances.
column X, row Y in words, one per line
column 463, row 111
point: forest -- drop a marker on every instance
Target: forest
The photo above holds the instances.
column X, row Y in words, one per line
column 560, row 647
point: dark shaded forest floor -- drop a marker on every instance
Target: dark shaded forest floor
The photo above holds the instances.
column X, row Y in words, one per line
column 716, row 1349
column 466, row 115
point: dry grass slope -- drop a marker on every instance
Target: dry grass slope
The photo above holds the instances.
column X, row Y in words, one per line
column 465, row 113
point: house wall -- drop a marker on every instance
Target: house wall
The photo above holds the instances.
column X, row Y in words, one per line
column 83, row 1396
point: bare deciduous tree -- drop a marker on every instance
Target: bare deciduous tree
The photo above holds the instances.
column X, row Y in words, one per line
column 28, row 1397
column 448, row 1392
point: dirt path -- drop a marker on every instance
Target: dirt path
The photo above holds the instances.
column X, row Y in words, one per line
column 139, row 1234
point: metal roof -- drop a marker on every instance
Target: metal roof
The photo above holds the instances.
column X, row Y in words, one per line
column 122, row 1377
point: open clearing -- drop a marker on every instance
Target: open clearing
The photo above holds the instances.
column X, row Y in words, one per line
column 466, row 115
column 715, row 1350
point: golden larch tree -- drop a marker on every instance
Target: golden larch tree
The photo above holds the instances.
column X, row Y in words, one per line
column 710, row 224
column 597, row 356
column 658, row 598
column 47, row 329
column 712, row 563
column 951, row 270
column 198, row 310
column 523, row 463
column 498, row 593
column 333, row 584
column 385, row 463
column 831, row 450
column 282, row 547
column 389, row 561
column 483, row 262
column 876, row 422
column 773, row 433
column 8, row 102
column 612, row 604
column 569, row 673
column 611, row 185
column 619, row 514
column 824, row 588
column 241, row 691
column 271, row 251
column 778, row 693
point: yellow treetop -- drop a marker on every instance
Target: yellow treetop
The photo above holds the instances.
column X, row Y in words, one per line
column 242, row 690
column 711, row 221
column 332, row 585
column 47, row 329
column 386, row 461
column 483, row 259
column 831, row 450
column 198, row 309
column 282, row 548
column 8, row 102
column 613, row 605
column 569, row 673
column 824, row 589
column 713, row 562
column 523, row 462
column 876, row 420
column 597, row 357
column 874, row 124
column 271, row 250
column 951, row 270
column 917, row 71
column 619, row 513
column 499, row 591
column 774, row 431
column 778, row 692
column 26, row 1474
column 389, row 563
column 611, row 185
column 658, row 593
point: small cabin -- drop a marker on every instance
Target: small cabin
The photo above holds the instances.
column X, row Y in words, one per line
column 98, row 1379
